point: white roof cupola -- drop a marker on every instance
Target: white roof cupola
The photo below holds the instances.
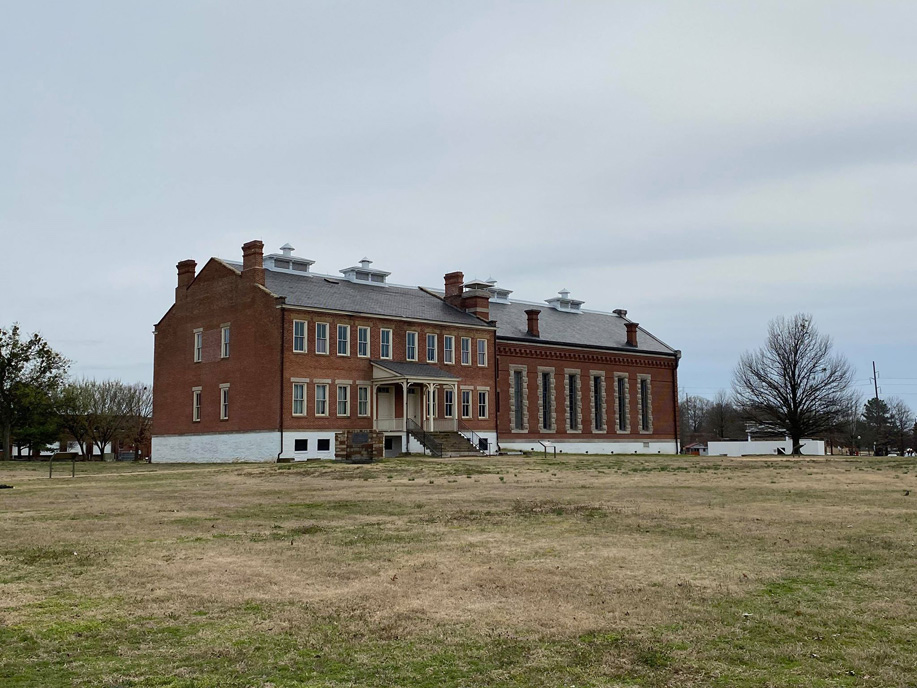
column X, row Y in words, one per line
column 364, row 273
column 478, row 285
column 285, row 261
column 500, row 295
column 565, row 303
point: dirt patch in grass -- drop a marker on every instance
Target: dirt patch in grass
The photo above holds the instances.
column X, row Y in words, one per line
column 506, row 571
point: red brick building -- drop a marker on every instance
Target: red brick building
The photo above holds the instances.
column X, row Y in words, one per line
column 268, row 360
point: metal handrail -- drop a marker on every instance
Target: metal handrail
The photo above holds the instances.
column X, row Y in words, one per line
column 430, row 443
column 475, row 439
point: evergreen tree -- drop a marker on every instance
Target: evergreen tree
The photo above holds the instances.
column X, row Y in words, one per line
column 875, row 427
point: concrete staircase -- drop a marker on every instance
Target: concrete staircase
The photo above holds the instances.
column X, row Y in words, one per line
column 445, row 444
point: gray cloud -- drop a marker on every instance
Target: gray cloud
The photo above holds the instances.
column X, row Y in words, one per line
column 707, row 165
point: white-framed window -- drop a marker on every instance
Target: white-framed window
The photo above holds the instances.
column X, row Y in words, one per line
column 299, row 398
column 198, row 346
column 482, row 352
column 448, row 349
column 363, row 401
column 431, row 403
column 343, row 340
column 224, row 341
column 482, row 404
column 321, row 338
column 343, row 400
column 410, row 346
column 224, row 402
column 431, row 348
column 466, row 403
column 299, row 336
column 466, row 350
column 196, row 405
column 363, row 342
column 385, row 343
column 321, row 400
column 448, row 403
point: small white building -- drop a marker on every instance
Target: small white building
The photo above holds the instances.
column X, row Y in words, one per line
column 751, row 447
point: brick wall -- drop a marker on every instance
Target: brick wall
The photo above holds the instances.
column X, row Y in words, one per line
column 352, row 370
column 218, row 296
column 561, row 362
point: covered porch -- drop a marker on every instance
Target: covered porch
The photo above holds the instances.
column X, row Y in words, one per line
column 413, row 394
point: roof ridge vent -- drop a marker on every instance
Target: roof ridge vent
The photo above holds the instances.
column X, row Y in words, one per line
column 364, row 274
column 565, row 303
column 500, row 295
column 285, row 261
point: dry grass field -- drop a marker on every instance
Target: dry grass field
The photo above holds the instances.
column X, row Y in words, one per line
column 510, row 571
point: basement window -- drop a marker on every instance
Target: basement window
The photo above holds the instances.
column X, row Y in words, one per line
column 300, row 445
column 324, row 445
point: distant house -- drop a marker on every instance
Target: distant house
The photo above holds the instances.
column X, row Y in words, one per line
column 696, row 449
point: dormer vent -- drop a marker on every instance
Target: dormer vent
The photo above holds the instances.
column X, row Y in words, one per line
column 365, row 274
column 500, row 295
column 477, row 284
column 565, row 303
column 285, row 261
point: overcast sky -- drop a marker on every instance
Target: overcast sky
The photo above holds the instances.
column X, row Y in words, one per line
column 705, row 165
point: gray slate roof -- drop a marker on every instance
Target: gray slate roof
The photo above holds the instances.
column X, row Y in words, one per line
column 338, row 294
column 414, row 369
column 586, row 328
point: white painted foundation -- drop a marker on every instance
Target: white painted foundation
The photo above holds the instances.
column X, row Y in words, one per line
column 216, row 448
column 312, row 451
column 601, row 448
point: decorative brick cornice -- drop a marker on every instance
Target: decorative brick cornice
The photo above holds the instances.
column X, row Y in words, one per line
column 582, row 356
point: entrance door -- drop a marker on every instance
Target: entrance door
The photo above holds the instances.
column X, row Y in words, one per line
column 385, row 403
column 415, row 406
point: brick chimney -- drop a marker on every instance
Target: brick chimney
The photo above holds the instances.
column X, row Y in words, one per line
column 253, row 261
column 454, row 288
column 186, row 270
column 632, row 333
column 477, row 302
column 532, row 314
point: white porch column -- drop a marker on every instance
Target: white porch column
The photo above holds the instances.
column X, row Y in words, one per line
column 455, row 406
column 404, row 415
column 427, row 402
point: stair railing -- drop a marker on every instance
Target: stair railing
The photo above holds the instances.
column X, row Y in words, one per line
column 474, row 438
column 429, row 442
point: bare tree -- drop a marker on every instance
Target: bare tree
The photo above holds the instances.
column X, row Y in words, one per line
column 107, row 411
column 139, row 420
column 723, row 418
column 72, row 407
column 693, row 412
column 29, row 363
column 794, row 382
column 901, row 424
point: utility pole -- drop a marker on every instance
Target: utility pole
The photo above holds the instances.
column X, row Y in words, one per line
column 875, row 382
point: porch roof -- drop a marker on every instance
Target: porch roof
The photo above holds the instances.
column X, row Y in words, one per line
column 413, row 370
